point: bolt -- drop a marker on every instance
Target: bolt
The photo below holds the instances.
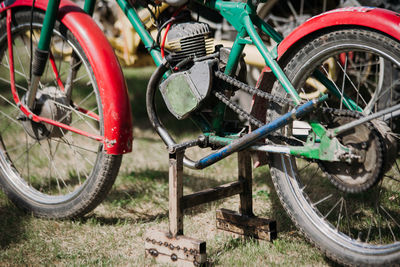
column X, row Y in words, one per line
column 171, row 246
column 153, row 252
column 174, row 257
column 166, row 244
column 185, row 250
column 363, row 145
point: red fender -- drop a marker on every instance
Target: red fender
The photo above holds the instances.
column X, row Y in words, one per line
column 107, row 71
column 375, row 18
column 382, row 20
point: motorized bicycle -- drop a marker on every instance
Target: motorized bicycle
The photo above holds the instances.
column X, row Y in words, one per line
column 325, row 114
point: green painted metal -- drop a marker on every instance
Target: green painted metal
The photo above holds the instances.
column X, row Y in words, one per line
column 200, row 121
column 231, row 11
column 89, row 6
column 270, row 61
column 48, row 25
column 267, row 29
column 347, row 101
column 218, row 140
column 233, row 61
column 236, row 52
column 145, row 36
column 327, row 149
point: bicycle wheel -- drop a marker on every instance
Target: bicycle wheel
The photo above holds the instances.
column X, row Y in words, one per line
column 44, row 169
column 349, row 211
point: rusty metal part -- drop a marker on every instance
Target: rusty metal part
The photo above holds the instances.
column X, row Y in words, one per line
column 179, row 250
column 52, row 104
column 359, row 176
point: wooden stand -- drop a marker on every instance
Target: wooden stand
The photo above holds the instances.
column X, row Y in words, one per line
column 174, row 247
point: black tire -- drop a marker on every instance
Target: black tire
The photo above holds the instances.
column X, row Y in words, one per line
column 353, row 226
column 46, row 171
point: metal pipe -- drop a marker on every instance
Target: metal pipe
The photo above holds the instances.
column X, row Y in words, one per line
column 338, row 130
column 152, row 112
column 246, row 141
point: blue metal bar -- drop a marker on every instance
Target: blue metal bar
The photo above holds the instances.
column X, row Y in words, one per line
column 259, row 134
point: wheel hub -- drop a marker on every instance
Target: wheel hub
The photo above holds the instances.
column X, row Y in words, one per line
column 358, row 176
column 50, row 103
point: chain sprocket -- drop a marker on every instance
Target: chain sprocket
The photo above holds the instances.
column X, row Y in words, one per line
column 357, row 176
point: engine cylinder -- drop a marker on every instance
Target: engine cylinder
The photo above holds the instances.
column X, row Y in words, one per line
column 190, row 39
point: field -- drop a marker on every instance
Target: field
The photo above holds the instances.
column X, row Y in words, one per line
column 112, row 235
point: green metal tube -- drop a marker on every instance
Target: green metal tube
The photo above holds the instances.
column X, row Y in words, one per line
column 89, row 6
column 269, row 60
column 145, row 36
column 233, row 61
column 347, row 101
column 234, row 55
column 266, row 28
column 48, row 25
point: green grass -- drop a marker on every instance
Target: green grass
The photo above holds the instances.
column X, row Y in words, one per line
column 112, row 235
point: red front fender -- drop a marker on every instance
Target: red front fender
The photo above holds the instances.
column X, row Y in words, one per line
column 107, row 71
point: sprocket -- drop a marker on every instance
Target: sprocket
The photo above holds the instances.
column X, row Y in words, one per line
column 357, row 176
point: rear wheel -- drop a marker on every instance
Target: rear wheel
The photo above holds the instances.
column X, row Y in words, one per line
column 46, row 170
column 350, row 211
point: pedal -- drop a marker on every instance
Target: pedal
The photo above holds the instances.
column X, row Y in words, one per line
column 237, row 223
column 179, row 250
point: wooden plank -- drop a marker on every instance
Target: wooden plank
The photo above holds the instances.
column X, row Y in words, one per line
column 245, row 176
column 212, row 194
column 175, row 193
column 166, row 260
column 179, row 250
column 234, row 222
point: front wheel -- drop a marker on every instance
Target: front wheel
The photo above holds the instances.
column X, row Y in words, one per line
column 46, row 170
column 350, row 211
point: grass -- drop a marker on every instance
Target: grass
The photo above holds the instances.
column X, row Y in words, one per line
column 112, row 235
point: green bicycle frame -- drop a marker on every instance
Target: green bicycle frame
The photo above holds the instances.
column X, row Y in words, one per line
column 243, row 17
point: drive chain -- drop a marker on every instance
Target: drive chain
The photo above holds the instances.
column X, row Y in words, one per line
column 252, row 90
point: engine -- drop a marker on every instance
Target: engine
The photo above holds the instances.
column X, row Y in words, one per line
column 191, row 50
column 183, row 91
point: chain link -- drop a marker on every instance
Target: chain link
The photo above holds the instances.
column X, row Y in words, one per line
column 237, row 109
column 241, row 112
column 252, row 90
